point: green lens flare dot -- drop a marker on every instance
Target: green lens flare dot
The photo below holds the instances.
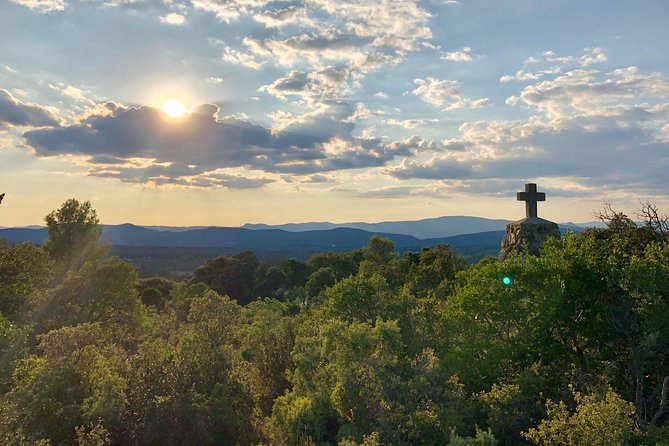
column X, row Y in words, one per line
column 506, row 280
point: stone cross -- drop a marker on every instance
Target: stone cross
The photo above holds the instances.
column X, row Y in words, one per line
column 530, row 197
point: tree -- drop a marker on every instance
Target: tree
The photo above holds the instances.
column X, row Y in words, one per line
column 435, row 272
column 319, row 281
column 270, row 284
column 23, row 269
column 74, row 232
column 297, row 273
column 600, row 419
column 232, row 276
column 100, row 291
column 379, row 250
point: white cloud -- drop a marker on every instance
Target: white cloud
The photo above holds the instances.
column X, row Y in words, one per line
column 522, row 75
column 582, row 118
column 411, row 123
column 438, row 92
column 278, row 18
column 9, row 69
column 589, row 57
column 463, row 55
column 327, row 84
column 42, row 6
column 228, row 10
column 446, row 93
column 592, row 56
column 241, row 58
column 173, row 19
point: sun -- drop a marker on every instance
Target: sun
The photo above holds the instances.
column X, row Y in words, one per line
column 173, row 108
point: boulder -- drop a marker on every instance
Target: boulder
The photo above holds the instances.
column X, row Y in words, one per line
column 531, row 232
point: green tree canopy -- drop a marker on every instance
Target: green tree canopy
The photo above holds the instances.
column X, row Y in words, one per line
column 74, row 231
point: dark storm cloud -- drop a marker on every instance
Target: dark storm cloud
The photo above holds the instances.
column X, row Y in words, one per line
column 16, row 113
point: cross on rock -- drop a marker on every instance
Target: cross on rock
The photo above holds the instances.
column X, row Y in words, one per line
column 530, row 197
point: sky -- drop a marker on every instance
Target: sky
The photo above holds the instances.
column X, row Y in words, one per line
column 331, row 110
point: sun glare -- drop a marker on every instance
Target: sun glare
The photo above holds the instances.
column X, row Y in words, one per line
column 173, row 108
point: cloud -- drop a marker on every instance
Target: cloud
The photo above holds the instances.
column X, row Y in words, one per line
column 390, row 192
column 278, row 18
column 228, row 10
column 522, row 75
column 590, row 56
column 72, row 92
column 411, row 123
column 582, row 117
column 142, row 145
column 241, row 58
column 309, row 37
column 437, row 92
column 445, row 93
column 329, row 83
column 463, row 55
column 580, row 92
column 16, row 113
column 173, row 18
column 42, row 6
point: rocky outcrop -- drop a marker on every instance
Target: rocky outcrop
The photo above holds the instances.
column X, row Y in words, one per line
column 531, row 232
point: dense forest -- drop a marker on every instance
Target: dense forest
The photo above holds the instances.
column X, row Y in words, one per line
column 369, row 347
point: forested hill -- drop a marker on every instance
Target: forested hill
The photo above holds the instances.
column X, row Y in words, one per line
column 337, row 239
column 369, row 347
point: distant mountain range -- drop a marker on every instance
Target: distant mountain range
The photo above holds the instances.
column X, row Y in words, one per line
column 421, row 229
column 169, row 250
column 332, row 238
column 338, row 239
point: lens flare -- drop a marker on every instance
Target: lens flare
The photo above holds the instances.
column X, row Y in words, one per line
column 506, row 280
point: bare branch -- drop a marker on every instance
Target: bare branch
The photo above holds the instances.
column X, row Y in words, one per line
column 613, row 220
column 652, row 218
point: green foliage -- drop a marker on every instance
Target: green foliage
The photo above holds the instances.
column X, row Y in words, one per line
column 600, row 418
column 95, row 435
column 101, row 291
column 482, row 438
column 233, row 276
column 379, row 250
column 319, row 281
column 361, row 348
column 357, row 298
column 267, row 345
column 271, row 283
column 296, row 272
column 24, row 268
column 435, row 271
column 152, row 297
column 13, row 346
column 498, row 331
column 343, row 264
column 74, row 232
column 163, row 285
